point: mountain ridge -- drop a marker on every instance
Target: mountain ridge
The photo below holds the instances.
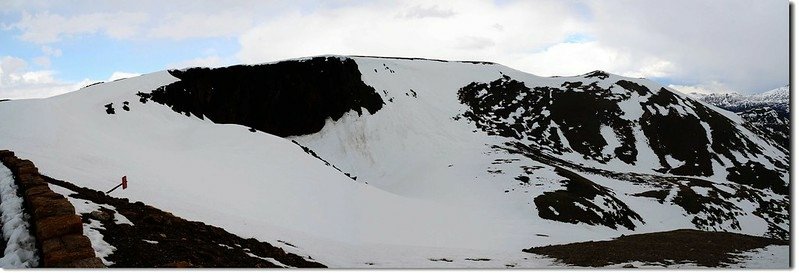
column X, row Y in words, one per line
column 443, row 151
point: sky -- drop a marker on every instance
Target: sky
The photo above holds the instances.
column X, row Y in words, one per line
column 52, row 47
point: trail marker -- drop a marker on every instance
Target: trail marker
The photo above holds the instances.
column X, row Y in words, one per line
column 124, row 184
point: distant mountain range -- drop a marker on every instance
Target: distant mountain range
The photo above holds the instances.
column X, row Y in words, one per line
column 767, row 112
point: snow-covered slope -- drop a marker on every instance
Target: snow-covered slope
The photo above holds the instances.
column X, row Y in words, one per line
column 411, row 161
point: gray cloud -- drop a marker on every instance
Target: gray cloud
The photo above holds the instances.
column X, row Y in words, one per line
column 738, row 45
column 428, row 12
column 741, row 44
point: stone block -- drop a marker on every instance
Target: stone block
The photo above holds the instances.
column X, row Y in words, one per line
column 56, row 226
column 47, row 207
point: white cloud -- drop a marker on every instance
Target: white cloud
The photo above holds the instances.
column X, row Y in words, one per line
column 740, row 44
column 470, row 32
column 140, row 21
column 706, row 88
column 208, row 61
column 44, row 27
column 17, row 82
column 50, row 51
column 180, row 26
column 42, row 61
column 121, row 75
column 427, row 12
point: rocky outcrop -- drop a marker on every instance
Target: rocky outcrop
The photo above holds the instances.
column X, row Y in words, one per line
column 58, row 230
column 285, row 99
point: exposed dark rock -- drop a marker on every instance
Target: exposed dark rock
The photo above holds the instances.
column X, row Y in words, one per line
column 711, row 211
column 688, row 144
column 99, row 215
column 771, row 123
column 579, row 111
column 576, row 204
column 640, row 89
column 571, row 119
column 285, row 99
column 143, row 97
column 714, row 249
column 598, row 74
column 93, row 84
column 758, row 176
column 312, row 153
column 660, row 195
column 109, row 109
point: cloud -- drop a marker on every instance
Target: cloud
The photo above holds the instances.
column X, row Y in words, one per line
column 17, row 82
column 428, row 12
column 743, row 44
column 42, row 61
column 472, row 42
column 49, row 51
column 179, row 26
column 208, row 61
column 53, row 21
column 707, row 88
column 45, row 28
column 122, row 75
column 475, row 30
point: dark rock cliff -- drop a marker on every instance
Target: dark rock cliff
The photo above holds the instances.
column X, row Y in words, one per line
column 285, row 99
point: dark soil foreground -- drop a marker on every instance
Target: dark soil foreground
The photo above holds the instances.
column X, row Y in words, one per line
column 180, row 243
column 704, row 248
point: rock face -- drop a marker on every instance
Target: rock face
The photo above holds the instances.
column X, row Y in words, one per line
column 285, row 99
column 575, row 204
column 679, row 147
column 770, row 123
column 597, row 119
column 585, row 118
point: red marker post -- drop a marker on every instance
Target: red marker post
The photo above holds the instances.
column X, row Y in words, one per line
column 124, row 184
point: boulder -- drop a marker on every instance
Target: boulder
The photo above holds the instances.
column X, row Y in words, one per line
column 100, row 216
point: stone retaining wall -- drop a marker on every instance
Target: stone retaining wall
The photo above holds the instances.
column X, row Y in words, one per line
column 58, row 230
